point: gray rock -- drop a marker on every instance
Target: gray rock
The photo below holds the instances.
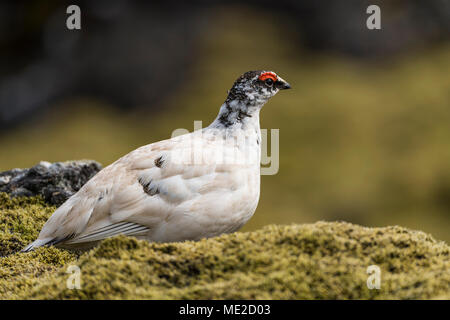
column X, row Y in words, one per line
column 56, row 182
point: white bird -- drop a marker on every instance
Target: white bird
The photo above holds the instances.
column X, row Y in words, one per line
column 189, row 187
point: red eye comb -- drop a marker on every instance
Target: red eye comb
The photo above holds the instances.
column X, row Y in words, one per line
column 268, row 75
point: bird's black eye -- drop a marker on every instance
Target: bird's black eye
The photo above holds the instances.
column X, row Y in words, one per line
column 269, row 82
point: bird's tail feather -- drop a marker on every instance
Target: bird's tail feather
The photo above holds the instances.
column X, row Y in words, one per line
column 36, row 244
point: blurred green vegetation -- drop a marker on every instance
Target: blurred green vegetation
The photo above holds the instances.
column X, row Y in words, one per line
column 367, row 143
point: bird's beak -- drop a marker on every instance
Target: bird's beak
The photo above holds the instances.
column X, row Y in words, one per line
column 285, row 86
column 282, row 84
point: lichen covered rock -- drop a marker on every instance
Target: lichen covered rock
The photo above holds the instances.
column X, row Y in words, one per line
column 325, row 260
column 56, row 182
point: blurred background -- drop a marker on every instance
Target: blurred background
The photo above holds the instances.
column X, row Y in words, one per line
column 364, row 133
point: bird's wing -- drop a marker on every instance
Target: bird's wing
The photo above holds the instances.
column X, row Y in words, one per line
column 125, row 228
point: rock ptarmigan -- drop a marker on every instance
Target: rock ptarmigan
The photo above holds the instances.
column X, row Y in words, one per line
column 189, row 187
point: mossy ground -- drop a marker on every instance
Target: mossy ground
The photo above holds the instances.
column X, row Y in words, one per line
column 325, row 260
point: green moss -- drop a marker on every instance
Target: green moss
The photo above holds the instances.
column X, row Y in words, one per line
column 20, row 221
column 325, row 260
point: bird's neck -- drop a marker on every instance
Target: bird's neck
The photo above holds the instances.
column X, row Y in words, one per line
column 237, row 115
column 238, row 122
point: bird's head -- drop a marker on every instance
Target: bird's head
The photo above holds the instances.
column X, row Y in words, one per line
column 248, row 94
column 256, row 87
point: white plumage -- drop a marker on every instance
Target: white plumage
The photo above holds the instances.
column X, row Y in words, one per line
column 189, row 187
